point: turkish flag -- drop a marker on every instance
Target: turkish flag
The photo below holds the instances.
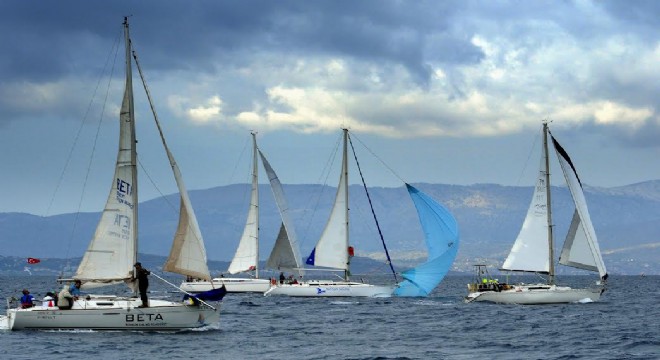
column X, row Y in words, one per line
column 33, row 261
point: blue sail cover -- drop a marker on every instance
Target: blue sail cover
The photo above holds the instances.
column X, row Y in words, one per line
column 441, row 237
column 211, row 295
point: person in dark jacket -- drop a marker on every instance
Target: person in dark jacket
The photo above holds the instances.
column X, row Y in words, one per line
column 143, row 283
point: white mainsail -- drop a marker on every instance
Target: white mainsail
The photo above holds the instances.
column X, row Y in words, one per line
column 286, row 252
column 246, row 257
column 113, row 249
column 530, row 251
column 581, row 248
column 332, row 247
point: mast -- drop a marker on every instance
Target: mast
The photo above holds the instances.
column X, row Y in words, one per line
column 255, row 190
column 131, row 116
column 344, row 169
column 551, row 270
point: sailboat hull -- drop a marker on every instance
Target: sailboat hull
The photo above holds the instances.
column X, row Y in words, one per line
column 537, row 295
column 115, row 314
column 233, row 285
column 331, row 289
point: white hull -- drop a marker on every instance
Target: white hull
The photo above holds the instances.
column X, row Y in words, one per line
column 233, row 285
column 114, row 314
column 331, row 289
column 537, row 295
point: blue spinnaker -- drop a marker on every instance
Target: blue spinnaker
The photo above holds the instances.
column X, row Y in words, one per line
column 441, row 237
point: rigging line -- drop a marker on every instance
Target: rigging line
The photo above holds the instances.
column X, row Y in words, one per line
column 115, row 49
column 381, row 160
column 238, row 162
column 248, row 189
column 182, row 291
column 380, row 233
column 326, row 171
column 170, row 157
column 529, row 156
column 151, row 180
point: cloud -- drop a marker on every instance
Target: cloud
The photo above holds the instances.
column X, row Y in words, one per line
column 397, row 69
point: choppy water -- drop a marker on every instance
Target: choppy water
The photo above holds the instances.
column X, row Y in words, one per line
column 624, row 325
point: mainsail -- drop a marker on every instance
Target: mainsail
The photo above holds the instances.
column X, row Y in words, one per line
column 113, row 249
column 442, row 239
column 246, row 257
column 581, row 248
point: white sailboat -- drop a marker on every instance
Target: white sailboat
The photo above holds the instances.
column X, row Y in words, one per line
column 332, row 251
column 112, row 252
column 533, row 249
column 285, row 254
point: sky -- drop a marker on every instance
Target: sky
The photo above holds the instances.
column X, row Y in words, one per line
column 449, row 92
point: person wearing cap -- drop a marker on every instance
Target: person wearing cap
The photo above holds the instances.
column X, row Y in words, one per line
column 27, row 300
column 143, row 283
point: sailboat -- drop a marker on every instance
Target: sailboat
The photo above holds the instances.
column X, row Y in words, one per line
column 333, row 250
column 112, row 252
column 533, row 250
column 285, row 254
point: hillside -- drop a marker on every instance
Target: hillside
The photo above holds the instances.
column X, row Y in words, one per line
column 489, row 217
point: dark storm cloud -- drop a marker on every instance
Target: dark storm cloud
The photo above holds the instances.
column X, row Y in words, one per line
column 46, row 37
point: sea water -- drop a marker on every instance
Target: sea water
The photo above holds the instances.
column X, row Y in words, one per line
column 625, row 324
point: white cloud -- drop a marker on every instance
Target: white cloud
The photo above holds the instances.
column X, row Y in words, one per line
column 209, row 112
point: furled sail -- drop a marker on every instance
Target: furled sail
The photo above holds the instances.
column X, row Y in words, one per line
column 332, row 247
column 113, row 249
column 286, row 252
column 246, row 257
column 442, row 239
column 530, row 251
column 581, row 248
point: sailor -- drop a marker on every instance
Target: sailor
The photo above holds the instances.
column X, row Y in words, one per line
column 74, row 289
column 143, row 283
column 65, row 299
column 27, row 300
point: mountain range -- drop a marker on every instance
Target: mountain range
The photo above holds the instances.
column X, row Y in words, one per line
column 489, row 218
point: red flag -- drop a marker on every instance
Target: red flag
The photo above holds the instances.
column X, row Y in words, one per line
column 33, row 261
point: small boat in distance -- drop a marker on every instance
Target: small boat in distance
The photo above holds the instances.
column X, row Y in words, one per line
column 112, row 252
column 533, row 250
column 285, row 253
